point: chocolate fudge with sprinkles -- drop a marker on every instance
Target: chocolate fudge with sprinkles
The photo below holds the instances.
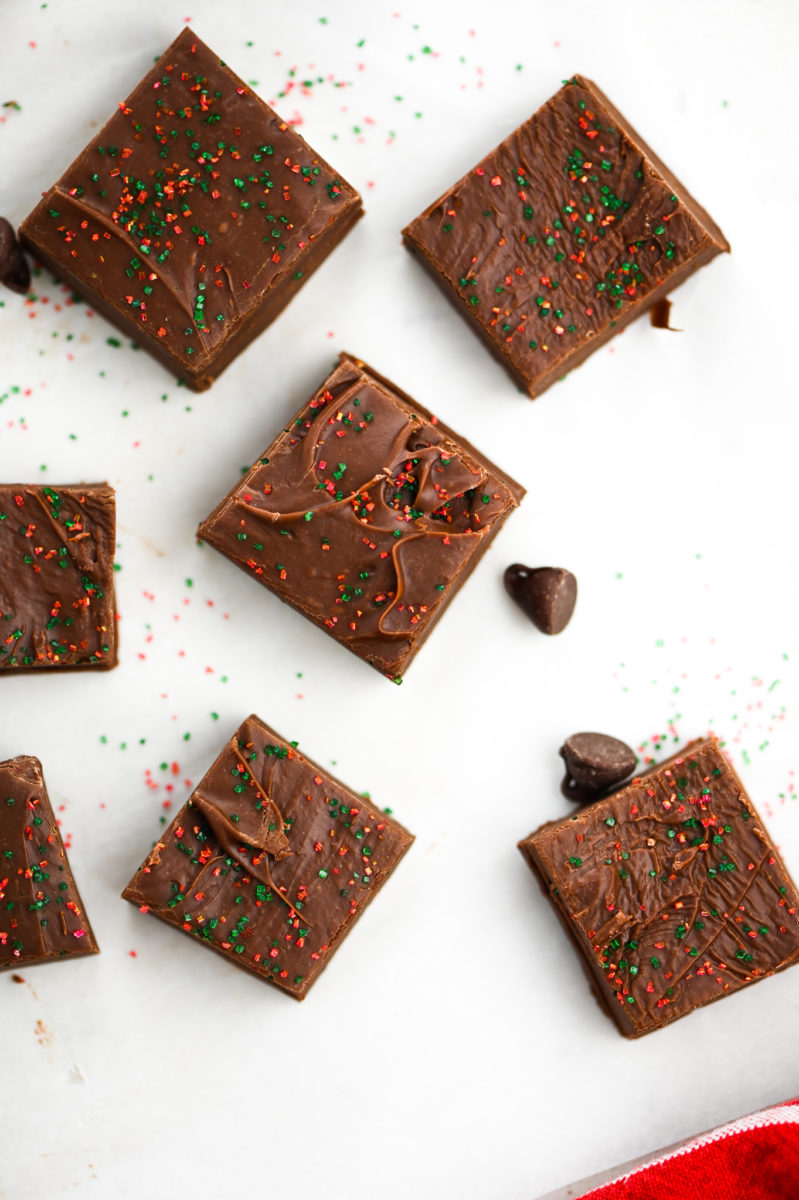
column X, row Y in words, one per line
column 366, row 513
column 562, row 235
column 271, row 860
column 671, row 890
column 57, row 606
column 194, row 215
column 42, row 918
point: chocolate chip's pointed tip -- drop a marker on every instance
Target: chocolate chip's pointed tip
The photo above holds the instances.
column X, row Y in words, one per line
column 546, row 594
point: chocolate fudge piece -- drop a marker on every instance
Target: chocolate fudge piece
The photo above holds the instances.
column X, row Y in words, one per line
column 671, row 890
column 41, row 913
column 562, row 235
column 193, row 216
column 367, row 514
column 270, row 861
column 57, row 576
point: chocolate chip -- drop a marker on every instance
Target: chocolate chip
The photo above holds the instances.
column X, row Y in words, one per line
column 660, row 315
column 594, row 763
column 546, row 594
column 576, row 792
column 14, row 270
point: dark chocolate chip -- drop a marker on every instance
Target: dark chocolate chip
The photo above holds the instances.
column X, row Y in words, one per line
column 660, row 314
column 546, row 594
column 576, row 792
column 594, row 762
column 14, row 270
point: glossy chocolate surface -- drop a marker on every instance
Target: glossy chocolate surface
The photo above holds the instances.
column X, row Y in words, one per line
column 366, row 514
column 271, row 860
column 57, row 576
column 194, row 215
column 562, row 235
column 671, row 890
column 41, row 913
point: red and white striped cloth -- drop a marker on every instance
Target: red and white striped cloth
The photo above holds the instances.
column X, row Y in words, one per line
column 753, row 1158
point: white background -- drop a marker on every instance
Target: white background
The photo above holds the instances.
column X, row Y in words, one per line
column 453, row 1047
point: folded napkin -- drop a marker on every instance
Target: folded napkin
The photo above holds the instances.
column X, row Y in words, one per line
column 753, row 1158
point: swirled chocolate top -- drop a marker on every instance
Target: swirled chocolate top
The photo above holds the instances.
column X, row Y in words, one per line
column 366, row 514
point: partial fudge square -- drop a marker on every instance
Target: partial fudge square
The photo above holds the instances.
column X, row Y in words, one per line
column 41, row 913
column 671, row 890
column 57, row 606
column 561, row 236
column 367, row 514
column 194, row 215
column 271, row 861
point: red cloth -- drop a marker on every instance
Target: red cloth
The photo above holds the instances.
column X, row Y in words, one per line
column 754, row 1158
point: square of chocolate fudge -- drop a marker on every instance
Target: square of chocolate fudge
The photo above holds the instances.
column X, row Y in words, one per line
column 57, row 576
column 41, row 913
column 193, row 216
column 366, row 514
column 562, row 235
column 271, row 860
column 671, row 890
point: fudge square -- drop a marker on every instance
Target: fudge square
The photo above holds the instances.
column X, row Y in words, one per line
column 271, row 860
column 41, row 913
column 366, row 514
column 57, row 577
column 193, row 216
column 671, row 890
column 562, row 235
